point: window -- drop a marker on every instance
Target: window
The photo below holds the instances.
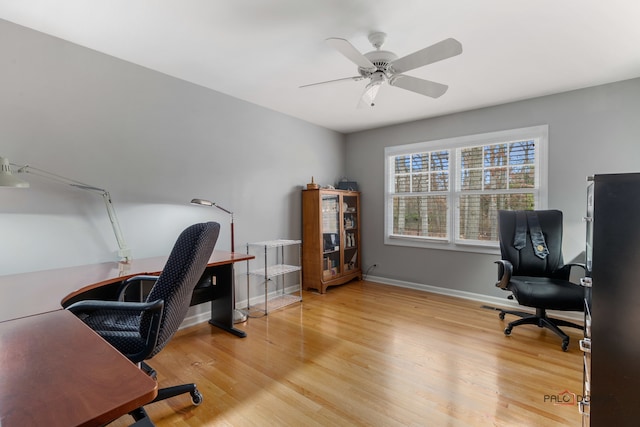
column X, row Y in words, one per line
column 446, row 193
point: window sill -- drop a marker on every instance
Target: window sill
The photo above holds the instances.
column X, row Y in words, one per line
column 490, row 249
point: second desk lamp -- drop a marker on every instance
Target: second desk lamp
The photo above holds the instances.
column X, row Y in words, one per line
column 238, row 316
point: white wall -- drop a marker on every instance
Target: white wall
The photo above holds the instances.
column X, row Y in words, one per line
column 154, row 142
column 591, row 131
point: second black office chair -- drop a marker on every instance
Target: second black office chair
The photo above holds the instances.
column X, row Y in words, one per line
column 532, row 268
column 140, row 330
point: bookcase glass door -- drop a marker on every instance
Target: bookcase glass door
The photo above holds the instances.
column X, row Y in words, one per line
column 351, row 227
column 331, row 262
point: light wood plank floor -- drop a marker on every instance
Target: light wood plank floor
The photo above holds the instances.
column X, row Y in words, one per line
column 366, row 354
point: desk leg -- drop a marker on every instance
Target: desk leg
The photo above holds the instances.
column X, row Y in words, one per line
column 223, row 303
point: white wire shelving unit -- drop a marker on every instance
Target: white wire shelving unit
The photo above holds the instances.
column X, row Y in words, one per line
column 276, row 275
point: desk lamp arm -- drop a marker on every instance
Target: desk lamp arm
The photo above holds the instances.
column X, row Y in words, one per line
column 124, row 252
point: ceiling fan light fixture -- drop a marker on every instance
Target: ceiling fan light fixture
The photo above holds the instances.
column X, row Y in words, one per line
column 370, row 93
column 371, row 90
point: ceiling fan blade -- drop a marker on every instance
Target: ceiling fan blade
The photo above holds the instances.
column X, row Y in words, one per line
column 354, row 78
column 437, row 52
column 421, row 86
column 351, row 53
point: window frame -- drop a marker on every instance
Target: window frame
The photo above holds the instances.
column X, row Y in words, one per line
column 538, row 133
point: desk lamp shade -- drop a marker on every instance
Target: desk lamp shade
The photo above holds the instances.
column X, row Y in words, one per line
column 7, row 179
column 202, row 202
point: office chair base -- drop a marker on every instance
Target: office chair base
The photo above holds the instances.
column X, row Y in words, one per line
column 140, row 415
column 167, row 392
column 141, row 418
column 541, row 320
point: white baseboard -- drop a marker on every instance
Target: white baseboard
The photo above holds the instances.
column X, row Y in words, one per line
column 196, row 318
column 573, row 316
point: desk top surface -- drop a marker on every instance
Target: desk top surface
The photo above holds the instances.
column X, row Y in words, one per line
column 38, row 292
column 86, row 383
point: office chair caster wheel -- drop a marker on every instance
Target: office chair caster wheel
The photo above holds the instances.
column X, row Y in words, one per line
column 565, row 345
column 507, row 331
column 501, row 315
column 196, row 397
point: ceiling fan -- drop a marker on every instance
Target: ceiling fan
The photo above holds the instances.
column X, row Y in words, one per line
column 381, row 66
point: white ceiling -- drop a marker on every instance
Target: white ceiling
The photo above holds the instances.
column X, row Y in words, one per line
column 261, row 51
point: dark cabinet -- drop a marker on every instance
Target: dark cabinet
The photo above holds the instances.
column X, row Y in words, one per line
column 613, row 255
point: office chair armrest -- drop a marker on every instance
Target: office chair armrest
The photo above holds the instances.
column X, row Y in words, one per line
column 88, row 306
column 135, row 279
column 566, row 269
column 576, row 264
column 505, row 270
column 153, row 309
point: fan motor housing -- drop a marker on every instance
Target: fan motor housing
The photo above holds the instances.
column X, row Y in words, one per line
column 381, row 59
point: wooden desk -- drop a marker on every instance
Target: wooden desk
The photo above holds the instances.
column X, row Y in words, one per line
column 43, row 291
column 55, row 371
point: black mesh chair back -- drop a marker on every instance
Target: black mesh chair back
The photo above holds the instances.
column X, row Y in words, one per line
column 186, row 263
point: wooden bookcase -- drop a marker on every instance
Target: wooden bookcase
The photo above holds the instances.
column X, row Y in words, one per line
column 330, row 238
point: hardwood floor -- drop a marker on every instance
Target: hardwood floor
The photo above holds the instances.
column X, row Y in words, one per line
column 366, row 354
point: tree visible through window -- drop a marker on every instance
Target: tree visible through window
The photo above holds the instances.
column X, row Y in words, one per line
column 451, row 191
column 421, row 186
column 487, row 171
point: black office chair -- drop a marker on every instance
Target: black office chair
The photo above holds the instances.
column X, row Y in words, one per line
column 532, row 268
column 139, row 330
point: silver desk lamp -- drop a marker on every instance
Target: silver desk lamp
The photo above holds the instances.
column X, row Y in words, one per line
column 8, row 179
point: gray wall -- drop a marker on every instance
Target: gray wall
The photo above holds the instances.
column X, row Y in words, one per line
column 154, row 142
column 591, row 131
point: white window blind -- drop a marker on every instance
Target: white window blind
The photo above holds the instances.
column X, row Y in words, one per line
column 447, row 193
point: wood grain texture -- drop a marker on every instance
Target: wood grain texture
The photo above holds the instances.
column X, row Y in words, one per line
column 366, row 354
column 55, row 371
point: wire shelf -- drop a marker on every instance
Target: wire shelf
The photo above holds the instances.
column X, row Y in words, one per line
column 275, row 270
column 273, row 303
column 275, row 276
column 275, row 243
